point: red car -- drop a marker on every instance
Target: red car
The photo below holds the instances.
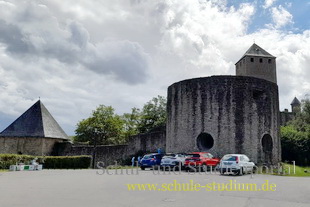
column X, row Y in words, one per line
column 200, row 159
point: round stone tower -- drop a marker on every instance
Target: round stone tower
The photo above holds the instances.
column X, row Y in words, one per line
column 225, row 114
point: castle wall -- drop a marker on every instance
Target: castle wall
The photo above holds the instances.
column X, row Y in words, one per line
column 27, row 145
column 148, row 142
column 235, row 111
column 285, row 117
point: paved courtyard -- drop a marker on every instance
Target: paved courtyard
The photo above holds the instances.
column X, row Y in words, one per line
column 80, row 188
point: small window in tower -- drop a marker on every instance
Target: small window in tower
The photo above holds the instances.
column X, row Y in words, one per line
column 260, row 60
column 252, row 59
column 269, row 61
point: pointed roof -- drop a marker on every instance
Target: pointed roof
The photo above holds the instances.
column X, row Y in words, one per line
column 295, row 102
column 256, row 50
column 35, row 122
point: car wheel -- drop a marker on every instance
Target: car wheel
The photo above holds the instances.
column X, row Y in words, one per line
column 142, row 168
column 182, row 167
column 204, row 168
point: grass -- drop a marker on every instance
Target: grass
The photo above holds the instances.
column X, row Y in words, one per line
column 299, row 171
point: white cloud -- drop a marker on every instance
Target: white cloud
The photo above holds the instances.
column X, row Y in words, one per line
column 268, row 3
column 281, row 17
column 77, row 55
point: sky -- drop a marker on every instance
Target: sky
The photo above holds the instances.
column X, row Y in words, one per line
column 76, row 55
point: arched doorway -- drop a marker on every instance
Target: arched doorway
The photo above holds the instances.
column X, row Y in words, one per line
column 267, row 145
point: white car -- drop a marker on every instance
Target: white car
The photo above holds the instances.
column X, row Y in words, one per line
column 237, row 164
column 173, row 160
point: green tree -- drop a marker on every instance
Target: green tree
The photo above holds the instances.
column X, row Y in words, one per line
column 295, row 137
column 131, row 122
column 302, row 120
column 153, row 114
column 295, row 145
column 104, row 127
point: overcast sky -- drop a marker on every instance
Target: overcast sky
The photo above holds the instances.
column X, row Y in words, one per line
column 76, row 54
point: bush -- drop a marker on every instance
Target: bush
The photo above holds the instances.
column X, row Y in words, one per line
column 49, row 162
column 65, row 162
column 295, row 145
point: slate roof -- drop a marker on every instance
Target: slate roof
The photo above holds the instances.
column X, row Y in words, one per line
column 295, row 102
column 35, row 122
column 256, row 50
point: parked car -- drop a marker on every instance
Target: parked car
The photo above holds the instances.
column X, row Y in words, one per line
column 150, row 160
column 236, row 164
column 201, row 159
column 173, row 160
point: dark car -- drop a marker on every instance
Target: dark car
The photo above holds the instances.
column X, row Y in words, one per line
column 150, row 160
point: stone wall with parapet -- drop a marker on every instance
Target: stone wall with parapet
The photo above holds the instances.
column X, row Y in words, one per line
column 148, row 142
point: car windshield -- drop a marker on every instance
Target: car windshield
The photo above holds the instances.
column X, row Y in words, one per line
column 229, row 158
column 147, row 156
column 193, row 155
column 168, row 156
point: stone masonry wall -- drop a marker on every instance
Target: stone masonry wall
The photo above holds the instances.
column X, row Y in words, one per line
column 148, row 142
column 27, row 145
column 237, row 111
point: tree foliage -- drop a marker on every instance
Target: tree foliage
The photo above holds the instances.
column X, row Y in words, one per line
column 295, row 138
column 295, row 145
column 106, row 127
column 131, row 122
column 153, row 114
column 302, row 120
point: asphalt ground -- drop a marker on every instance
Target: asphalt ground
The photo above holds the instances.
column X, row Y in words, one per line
column 92, row 188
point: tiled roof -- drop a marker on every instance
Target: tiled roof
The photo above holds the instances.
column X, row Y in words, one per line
column 35, row 122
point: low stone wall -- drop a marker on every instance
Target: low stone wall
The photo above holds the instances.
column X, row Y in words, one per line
column 148, row 142
column 28, row 145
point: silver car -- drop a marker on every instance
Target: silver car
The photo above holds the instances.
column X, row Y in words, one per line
column 173, row 160
column 238, row 164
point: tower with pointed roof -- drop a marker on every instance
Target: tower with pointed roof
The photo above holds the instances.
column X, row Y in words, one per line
column 296, row 105
column 35, row 132
column 257, row 62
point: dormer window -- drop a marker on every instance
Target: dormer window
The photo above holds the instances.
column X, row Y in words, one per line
column 269, row 61
column 260, row 60
column 252, row 60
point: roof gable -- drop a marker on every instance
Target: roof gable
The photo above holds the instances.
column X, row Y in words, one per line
column 295, row 102
column 256, row 50
column 35, row 122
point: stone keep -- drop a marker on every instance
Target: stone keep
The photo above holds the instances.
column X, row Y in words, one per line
column 226, row 114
